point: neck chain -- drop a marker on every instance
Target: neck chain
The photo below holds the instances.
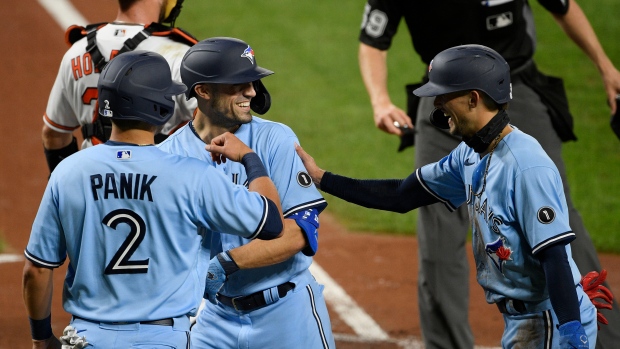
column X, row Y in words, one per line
column 486, row 169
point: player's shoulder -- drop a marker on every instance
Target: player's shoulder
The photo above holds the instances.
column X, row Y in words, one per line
column 264, row 125
column 525, row 151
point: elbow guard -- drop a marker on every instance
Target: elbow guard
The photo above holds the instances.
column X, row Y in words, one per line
column 308, row 221
column 272, row 226
column 55, row 156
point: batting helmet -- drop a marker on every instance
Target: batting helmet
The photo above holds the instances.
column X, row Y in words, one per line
column 137, row 85
column 467, row 67
column 224, row 60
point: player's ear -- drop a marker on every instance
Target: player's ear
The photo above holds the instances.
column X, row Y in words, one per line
column 203, row 91
column 474, row 98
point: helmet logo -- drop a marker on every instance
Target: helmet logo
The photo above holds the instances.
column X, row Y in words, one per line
column 107, row 111
column 430, row 66
column 249, row 54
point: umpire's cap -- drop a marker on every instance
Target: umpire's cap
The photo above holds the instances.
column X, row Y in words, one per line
column 137, row 85
column 224, row 60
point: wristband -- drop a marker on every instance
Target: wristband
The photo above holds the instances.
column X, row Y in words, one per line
column 41, row 329
column 254, row 168
column 55, row 156
column 228, row 264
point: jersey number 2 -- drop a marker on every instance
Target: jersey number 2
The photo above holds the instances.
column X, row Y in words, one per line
column 120, row 263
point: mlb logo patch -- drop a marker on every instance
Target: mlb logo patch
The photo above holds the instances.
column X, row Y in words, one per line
column 108, row 113
column 119, row 32
column 123, row 154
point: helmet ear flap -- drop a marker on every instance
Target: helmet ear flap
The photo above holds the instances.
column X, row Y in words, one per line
column 438, row 119
column 261, row 103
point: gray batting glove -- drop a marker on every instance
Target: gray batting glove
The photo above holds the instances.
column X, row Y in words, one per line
column 71, row 340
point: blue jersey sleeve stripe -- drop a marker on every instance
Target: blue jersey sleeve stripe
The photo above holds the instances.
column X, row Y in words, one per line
column 447, row 203
column 263, row 219
column 41, row 262
column 319, row 204
column 566, row 237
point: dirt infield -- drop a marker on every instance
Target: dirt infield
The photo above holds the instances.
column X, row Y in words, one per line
column 378, row 272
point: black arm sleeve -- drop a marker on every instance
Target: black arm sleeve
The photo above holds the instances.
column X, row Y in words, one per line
column 560, row 283
column 55, row 156
column 558, row 7
column 396, row 195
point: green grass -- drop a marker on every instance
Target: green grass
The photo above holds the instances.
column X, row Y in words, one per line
column 318, row 91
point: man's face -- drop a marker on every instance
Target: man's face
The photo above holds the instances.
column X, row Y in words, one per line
column 230, row 103
column 455, row 106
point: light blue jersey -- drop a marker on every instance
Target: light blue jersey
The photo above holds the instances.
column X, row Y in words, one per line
column 521, row 210
column 274, row 144
column 127, row 220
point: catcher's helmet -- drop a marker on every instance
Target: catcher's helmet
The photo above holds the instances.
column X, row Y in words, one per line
column 467, row 67
column 137, row 85
column 224, row 60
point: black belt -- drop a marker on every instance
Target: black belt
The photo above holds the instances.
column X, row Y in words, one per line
column 253, row 301
column 162, row 322
column 518, row 305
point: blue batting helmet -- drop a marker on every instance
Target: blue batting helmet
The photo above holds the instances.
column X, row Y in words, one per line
column 138, row 85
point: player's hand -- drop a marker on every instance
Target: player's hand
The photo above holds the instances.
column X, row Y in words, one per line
column 216, row 276
column 392, row 119
column 572, row 335
column 314, row 171
column 227, row 146
column 50, row 343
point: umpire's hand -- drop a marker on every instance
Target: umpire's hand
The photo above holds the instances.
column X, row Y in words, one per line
column 313, row 169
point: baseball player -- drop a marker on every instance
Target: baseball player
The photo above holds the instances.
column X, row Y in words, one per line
column 129, row 224
column 275, row 306
column 72, row 102
column 514, row 196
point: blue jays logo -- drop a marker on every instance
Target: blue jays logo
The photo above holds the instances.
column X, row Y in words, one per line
column 499, row 253
column 249, row 54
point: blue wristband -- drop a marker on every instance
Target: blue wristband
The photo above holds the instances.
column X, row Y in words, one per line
column 254, row 168
column 41, row 329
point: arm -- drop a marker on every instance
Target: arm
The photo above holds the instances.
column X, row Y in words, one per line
column 228, row 146
column 57, row 146
column 395, row 195
column 373, row 67
column 563, row 296
column 37, row 293
column 577, row 27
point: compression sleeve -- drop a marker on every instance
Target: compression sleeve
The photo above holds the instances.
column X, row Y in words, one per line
column 558, row 7
column 396, row 195
column 560, row 283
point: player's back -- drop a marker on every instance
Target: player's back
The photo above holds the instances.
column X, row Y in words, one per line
column 129, row 215
column 73, row 99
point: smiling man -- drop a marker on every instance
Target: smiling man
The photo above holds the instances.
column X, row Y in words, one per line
column 514, row 196
column 252, row 288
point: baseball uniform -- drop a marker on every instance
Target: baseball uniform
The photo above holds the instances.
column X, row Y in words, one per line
column 128, row 222
column 298, row 313
column 72, row 101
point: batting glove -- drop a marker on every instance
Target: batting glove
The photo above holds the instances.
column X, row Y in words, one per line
column 220, row 267
column 71, row 340
column 572, row 335
column 592, row 286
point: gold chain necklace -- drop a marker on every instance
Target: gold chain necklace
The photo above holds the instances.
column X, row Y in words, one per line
column 486, row 169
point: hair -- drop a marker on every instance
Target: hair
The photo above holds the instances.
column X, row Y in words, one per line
column 125, row 125
column 490, row 102
column 126, row 4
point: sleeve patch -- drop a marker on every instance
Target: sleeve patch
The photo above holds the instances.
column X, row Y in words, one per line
column 546, row 215
column 303, row 179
